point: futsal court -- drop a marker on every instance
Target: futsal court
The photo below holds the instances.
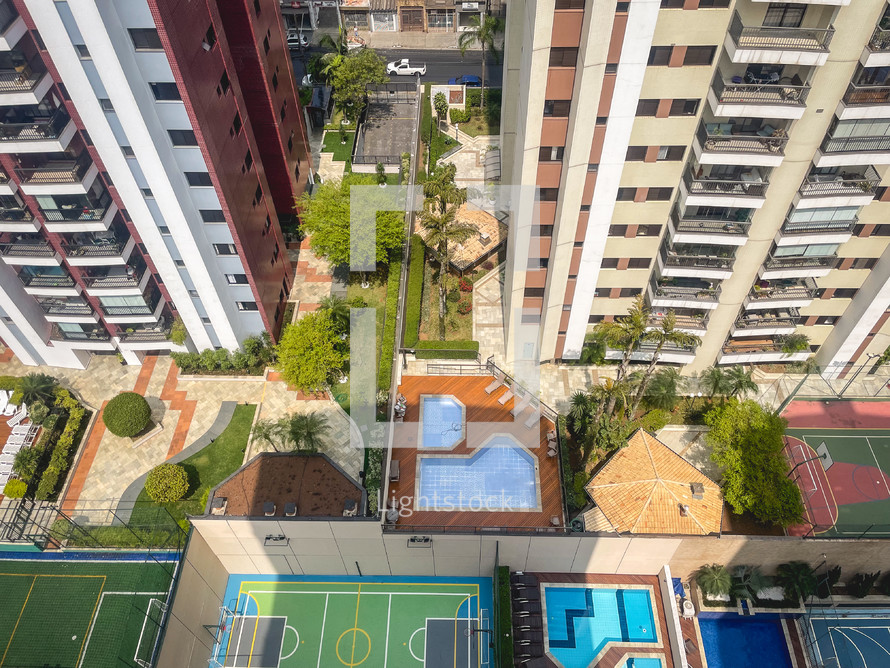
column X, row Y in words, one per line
column 842, row 471
column 82, row 613
column 272, row 622
column 860, row 639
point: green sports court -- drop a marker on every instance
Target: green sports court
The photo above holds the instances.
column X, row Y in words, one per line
column 83, row 611
column 271, row 622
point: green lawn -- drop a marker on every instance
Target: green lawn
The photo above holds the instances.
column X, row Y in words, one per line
column 206, row 468
column 437, row 141
column 342, row 152
column 479, row 126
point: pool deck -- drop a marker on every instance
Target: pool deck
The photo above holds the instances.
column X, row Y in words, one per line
column 485, row 417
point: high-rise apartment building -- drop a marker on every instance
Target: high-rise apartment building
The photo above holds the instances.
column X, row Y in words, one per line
column 150, row 151
column 725, row 158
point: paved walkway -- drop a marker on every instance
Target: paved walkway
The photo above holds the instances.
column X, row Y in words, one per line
column 313, row 279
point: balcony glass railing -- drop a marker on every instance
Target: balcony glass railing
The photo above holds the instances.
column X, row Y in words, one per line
column 814, row 227
column 100, row 247
column 686, row 292
column 778, row 290
column 35, row 248
column 46, row 280
column 800, row 262
column 856, row 144
column 746, row 185
column 37, row 129
column 681, row 321
column 15, row 215
column 114, row 279
column 844, row 183
column 768, row 140
column 56, row 171
column 735, row 90
column 20, row 80
column 864, row 94
column 880, row 40
column 59, row 334
column 742, row 348
column 51, row 307
column 785, row 39
column 698, row 261
column 768, row 319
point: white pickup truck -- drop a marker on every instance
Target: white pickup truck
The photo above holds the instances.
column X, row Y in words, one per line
column 403, row 67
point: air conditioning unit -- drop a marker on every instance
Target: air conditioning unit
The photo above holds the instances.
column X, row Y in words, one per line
column 469, row 5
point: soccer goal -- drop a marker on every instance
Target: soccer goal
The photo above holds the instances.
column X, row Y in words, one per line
column 220, row 633
column 150, row 635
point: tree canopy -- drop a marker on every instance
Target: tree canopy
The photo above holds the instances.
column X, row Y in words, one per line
column 325, row 217
column 747, row 444
column 311, row 353
column 349, row 76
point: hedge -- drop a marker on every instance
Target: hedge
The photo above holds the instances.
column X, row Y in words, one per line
column 258, row 353
column 8, row 383
column 446, row 350
column 459, row 115
column 60, row 460
column 15, row 488
column 414, row 296
column 167, row 483
column 374, row 476
column 127, row 414
column 388, row 343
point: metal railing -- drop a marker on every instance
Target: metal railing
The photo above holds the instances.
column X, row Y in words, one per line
column 880, row 40
column 800, row 262
column 93, row 335
column 374, row 159
column 74, row 214
column 35, row 130
column 805, row 289
column 710, row 226
column 686, row 292
column 65, row 308
column 681, row 321
column 27, row 249
column 649, row 347
column 789, row 39
column 145, row 335
column 855, row 144
column 837, row 226
column 767, row 320
column 15, row 81
column 47, row 281
column 115, row 280
column 740, row 143
column 704, row 186
column 760, row 347
column 729, row 92
column 106, row 249
column 702, row 261
column 862, row 94
column 56, row 171
column 16, row 215
column 842, row 184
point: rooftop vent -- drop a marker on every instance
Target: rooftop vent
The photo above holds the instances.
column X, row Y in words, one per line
column 684, row 510
column 268, row 509
column 350, row 508
column 218, row 505
column 698, row 490
column 290, row 509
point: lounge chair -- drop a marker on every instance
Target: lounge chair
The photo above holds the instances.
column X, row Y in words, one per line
column 527, row 651
column 11, row 409
column 12, row 448
column 20, row 415
column 495, row 384
column 529, row 637
column 6, row 460
column 394, row 470
column 531, row 624
column 518, row 579
column 4, row 400
column 534, row 417
column 524, row 595
column 505, row 397
column 518, row 408
column 526, row 608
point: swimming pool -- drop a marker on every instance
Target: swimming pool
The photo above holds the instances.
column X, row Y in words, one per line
column 643, row 662
column 499, row 476
column 744, row 642
column 442, row 420
column 582, row 620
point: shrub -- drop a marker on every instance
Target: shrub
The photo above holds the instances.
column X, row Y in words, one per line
column 832, row 577
column 414, row 296
column 465, row 307
column 178, row 332
column 580, row 495
column 655, row 419
column 167, row 483
column 8, row 383
column 860, row 585
column 459, row 116
column 453, row 296
column 16, row 398
column 38, row 412
column 388, row 342
column 127, row 414
column 373, row 476
column 15, row 489
column 447, row 350
column 465, row 285
column 62, row 453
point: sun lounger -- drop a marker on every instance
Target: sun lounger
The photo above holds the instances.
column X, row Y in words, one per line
column 495, row 384
column 534, row 417
column 22, row 429
column 529, row 637
column 20, row 415
column 4, row 477
column 4, row 400
column 11, row 409
column 12, row 448
column 526, row 608
column 530, row 624
column 518, row 579
column 518, row 408
column 394, row 470
column 505, row 397
column 524, row 595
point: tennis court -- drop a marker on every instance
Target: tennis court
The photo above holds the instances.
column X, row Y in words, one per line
column 272, row 622
column 80, row 612
column 860, row 639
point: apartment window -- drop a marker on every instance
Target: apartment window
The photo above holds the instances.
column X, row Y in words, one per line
column 593, row 167
column 266, row 46
column 845, row 293
column 602, row 120
column 247, row 306
column 213, row 216
column 236, row 125
column 551, row 153
column 146, row 192
column 146, row 39
column 659, row 55
column 672, row 4
column 557, row 108
column 267, row 226
column 563, row 56
column 275, row 81
column 225, row 249
column 635, row 153
column 258, row 195
column 617, row 230
column 784, row 15
column 827, row 319
column 593, row 319
column 659, row 194
column 224, row 84
column 83, row 51
column 881, row 231
column 548, row 194
column 639, row 263
column 671, row 153
column 290, row 144
column 106, row 105
column 283, row 112
column 198, row 179
column 542, row 230
column 183, row 137
column 648, row 230
column 205, row 320
column 569, row 4
column 864, row 263
column 713, row 4
column 128, row 151
column 622, row 7
column 534, row 292
column 626, row 194
column 699, row 55
column 609, row 263
column 538, row 262
column 585, row 207
column 210, row 38
column 193, row 294
column 164, row 91
column 684, row 107
column 248, row 161
column 628, row 292
column 179, row 263
column 236, row 279
column 164, row 230
column 647, row 107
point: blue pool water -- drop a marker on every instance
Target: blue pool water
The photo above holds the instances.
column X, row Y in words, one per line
column 643, row 662
column 500, row 476
column 582, row 620
column 736, row 642
column 443, row 422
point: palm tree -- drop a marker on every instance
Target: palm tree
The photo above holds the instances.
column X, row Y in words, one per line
column 739, row 382
column 483, row 32
column 25, row 463
column 661, row 336
column 339, row 45
column 797, row 579
column 440, row 188
column 714, row 580
column 748, row 581
column 713, row 380
column 267, row 431
column 442, row 230
column 606, row 395
column 304, row 431
column 625, row 334
column 37, row 387
column 664, row 389
column 338, row 309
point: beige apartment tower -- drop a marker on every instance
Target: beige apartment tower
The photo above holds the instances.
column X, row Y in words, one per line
column 728, row 159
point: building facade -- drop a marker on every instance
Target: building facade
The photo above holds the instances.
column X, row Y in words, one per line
column 733, row 170
column 151, row 152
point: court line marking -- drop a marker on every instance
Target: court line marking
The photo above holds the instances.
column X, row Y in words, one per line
column 386, row 646
column 16, row 627
column 296, row 647
column 873, row 455
column 324, row 618
column 358, row 598
column 852, row 642
column 92, row 623
column 874, row 640
column 411, row 639
column 92, row 626
column 803, row 438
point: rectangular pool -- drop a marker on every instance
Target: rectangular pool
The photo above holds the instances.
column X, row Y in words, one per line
column 442, row 420
column 744, row 642
column 582, row 620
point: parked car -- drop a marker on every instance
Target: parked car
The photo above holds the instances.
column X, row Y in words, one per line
column 296, row 40
column 468, row 80
column 403, row 67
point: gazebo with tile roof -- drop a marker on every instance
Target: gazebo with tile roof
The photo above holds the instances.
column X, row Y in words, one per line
column 647, row 488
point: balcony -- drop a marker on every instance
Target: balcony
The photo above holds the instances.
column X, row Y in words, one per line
column 779, row 294
column 59, row 177
column 44, row 134
column 53, row 284
column 816, row 232
column 680, row 293
column 728, row 227
column 837, row 151
column 838, row 3
column 697, row 262
column 33, row 251
column 877, row 52
column 149, row 338
column 24, row 85
column 747, row 190
column 149, row 311
column 117, row 281
column 758, row 99
column 83, row 339
column 691, row 324
column 729, row 144
column 752, row 352
column 670, row 354
column 845, row 188
column 787, row 46
column 80, row 217
column 67, row 310
column 798, row 266
column 864, row 101
column 17, row 219
column 101, row 249
column 771, row 322
column 12, row 26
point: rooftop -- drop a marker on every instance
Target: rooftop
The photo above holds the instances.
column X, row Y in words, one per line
column 648, row 488
column 490, row 234
column 295, row 484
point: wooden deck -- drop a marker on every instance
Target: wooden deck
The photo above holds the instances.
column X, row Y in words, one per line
column 616, row 656
column 484, row 417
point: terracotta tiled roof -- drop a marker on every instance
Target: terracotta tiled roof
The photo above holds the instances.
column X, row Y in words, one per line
column 642, row 488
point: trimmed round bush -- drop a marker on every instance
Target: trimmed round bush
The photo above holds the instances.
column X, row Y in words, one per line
column 15, row 489
column 127, row 414
column 167, row 483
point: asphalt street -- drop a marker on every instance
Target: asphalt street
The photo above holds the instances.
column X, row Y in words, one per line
column 441, row 65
